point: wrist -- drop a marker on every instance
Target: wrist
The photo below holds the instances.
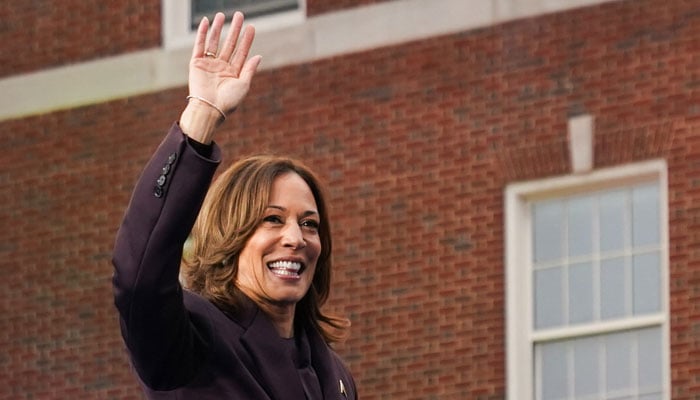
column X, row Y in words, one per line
column 199, row 121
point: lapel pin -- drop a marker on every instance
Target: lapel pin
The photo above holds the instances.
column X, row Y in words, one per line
column 342, row 389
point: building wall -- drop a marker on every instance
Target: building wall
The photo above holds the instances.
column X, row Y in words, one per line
column 416, row 143
column 44, row 34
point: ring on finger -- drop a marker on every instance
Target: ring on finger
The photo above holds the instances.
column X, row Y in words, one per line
column 209, row 54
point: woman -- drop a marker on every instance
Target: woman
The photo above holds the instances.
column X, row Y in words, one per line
column 249, row 324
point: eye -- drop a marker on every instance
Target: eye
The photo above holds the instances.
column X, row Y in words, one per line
column 275, row 219
column 310, row 224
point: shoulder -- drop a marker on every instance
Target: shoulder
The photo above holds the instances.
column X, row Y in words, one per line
column 208, row 318
column 205, row 313
column 347, row 382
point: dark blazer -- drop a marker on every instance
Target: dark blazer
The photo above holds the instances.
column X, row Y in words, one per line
column 181, row 345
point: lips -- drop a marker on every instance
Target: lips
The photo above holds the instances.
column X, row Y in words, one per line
column 286, row 269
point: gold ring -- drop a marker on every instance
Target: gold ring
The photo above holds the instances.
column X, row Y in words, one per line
column 209, row 54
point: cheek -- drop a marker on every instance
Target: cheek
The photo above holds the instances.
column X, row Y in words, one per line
column 246, row 274
column 314, row 249
column 250, row 259
column 315, row 262
column 255, row 247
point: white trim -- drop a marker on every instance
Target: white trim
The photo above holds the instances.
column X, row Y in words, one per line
column 92, row 82
column 327, row 35
column 519, row 333
column 581, row 143
column 598, row 328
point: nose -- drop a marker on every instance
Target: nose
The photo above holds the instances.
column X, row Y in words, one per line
column 293, row 237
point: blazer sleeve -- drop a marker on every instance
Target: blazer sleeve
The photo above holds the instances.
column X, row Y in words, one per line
column 165, row 348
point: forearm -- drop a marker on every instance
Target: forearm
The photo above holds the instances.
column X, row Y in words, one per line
column 163, row 207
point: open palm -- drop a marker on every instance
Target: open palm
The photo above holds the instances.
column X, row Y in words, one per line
column 222, row 77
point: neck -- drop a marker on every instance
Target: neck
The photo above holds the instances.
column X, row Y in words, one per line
column 282, row 317
column 281, row 314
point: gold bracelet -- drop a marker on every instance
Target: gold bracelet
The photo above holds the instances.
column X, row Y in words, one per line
column 203, row 100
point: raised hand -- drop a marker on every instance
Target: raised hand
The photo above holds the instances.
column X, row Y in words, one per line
column 219, row 75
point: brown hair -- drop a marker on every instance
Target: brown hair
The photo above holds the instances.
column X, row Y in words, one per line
column 232, row 210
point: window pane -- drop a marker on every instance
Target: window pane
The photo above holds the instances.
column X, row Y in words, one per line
column 580, row 226
column 622, row 365
column 251, row 8
column 612, row 288
column 256, row 8
column 206, row 6
column 645, row 215
column 580, row 293
column 586, row 367
column 554, row 371
column 548, row 230
column 618, row 362
column 612, row 221
column 646, row 281
column 548, row 298
column 650, row 360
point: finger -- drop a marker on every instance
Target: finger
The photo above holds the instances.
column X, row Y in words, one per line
column 200, row 39
column 232, row 37
column 212, row 45
column 250, row 68
column 241, row 53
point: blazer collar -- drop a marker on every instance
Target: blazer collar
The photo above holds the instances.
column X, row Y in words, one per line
column 270, row 355
column 324, row 365
column 274, row 367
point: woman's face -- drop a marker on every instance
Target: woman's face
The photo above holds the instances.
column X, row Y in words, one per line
column 279, row 260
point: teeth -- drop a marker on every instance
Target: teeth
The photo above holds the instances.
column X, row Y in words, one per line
column 284, row 272
column 285, row 266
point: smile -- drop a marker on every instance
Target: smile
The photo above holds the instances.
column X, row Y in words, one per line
column 286, row 269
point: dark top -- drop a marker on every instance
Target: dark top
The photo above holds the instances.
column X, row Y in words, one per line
column 180, row 344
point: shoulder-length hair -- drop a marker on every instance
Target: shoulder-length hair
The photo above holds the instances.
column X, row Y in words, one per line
column 232, row 210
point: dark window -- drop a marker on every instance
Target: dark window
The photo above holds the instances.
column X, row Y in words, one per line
column 251, row 8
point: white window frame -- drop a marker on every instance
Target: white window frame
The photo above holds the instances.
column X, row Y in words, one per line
column 177, row 34
column 520, row 335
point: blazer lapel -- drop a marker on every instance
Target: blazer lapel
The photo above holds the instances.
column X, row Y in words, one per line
column 324, row 366
column 275, row 367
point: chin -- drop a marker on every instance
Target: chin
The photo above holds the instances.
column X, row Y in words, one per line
column 287, row 298
column 284, row 294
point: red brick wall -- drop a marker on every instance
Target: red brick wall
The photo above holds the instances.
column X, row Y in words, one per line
column 416, row 143
column 48, row 33
column 44, row 33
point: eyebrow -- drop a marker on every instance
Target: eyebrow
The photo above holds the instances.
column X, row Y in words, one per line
column 304, row 214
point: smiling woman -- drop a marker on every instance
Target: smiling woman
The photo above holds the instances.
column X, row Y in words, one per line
column 261, row 211
column 248, row 322
column 279, row 260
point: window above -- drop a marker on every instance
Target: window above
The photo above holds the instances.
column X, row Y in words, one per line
column 251, row 8
column 181, row 18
